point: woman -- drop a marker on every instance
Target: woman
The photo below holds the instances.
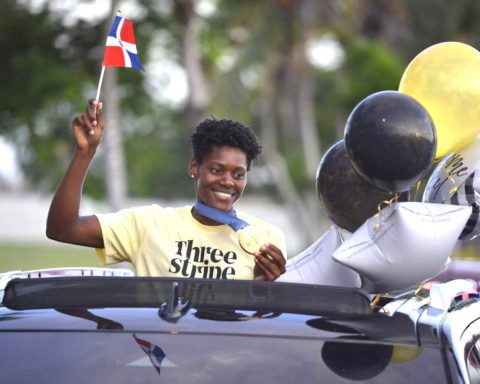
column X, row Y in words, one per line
column 207, row 240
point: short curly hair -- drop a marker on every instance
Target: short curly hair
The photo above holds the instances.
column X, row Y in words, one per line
column 212, row 133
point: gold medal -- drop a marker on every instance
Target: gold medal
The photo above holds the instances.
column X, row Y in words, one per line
column 251, row 238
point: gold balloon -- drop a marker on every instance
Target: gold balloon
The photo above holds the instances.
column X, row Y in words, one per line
column 445, row 79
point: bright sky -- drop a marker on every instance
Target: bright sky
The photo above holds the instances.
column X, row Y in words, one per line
column 325, row 52
column 8, row 164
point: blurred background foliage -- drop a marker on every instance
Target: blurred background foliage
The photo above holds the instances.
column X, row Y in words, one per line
column 291, row 69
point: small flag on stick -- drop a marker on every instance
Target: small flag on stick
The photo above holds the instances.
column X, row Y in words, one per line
column 120, row 48
column 153, row 351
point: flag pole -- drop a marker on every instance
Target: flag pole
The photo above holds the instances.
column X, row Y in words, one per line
column 116, row 36
column 97, row 97
column 99, row 87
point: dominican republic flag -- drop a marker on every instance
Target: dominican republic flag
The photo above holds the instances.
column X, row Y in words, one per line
column 120, row 49
column 153, row 351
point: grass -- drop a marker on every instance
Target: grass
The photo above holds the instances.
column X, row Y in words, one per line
column 38, row 256
column 23, row 257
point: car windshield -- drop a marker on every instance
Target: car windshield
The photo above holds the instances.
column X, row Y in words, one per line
column 98, row 292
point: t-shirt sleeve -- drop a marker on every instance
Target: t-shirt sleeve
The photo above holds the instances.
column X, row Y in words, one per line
column 122, row 233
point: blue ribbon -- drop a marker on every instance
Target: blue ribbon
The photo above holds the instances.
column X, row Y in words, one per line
column 229, row 218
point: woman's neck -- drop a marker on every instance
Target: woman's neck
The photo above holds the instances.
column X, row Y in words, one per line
column 202, row 219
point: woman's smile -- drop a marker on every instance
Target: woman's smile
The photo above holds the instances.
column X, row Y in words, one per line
column 221, row 177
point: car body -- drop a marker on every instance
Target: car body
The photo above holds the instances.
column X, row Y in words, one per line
column 114, row 328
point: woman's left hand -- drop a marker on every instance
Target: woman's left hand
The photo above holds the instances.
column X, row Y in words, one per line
column 269, row 263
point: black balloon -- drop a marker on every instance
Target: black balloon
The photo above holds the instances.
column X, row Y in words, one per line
column 346, row 197
column 391, row 140
column 356, row 360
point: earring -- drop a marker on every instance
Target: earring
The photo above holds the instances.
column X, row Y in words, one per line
column 192, row 176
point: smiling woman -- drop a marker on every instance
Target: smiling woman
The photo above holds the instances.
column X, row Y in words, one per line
column 201, row 240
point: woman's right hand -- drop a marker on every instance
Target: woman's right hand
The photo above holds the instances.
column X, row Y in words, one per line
column 88, row 127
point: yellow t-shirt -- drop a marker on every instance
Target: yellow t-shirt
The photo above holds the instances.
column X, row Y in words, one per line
column 169, row 242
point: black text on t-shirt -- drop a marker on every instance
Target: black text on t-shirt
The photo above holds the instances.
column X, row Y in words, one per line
column 208, row 256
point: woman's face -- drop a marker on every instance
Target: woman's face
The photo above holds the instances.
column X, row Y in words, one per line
column 221, row 178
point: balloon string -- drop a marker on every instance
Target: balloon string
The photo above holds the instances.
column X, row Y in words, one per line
column 393, row 200
column 375, row 302
column 387, row 203
column 417, row 188
column 454, row 189
column 337, row 228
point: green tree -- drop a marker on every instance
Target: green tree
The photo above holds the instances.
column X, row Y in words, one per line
column 244, row 61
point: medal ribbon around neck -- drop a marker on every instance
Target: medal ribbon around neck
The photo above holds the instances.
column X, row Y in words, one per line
column 229, row 218
column 249, row 237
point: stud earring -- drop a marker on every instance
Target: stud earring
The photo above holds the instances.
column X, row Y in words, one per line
column 192, row 176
